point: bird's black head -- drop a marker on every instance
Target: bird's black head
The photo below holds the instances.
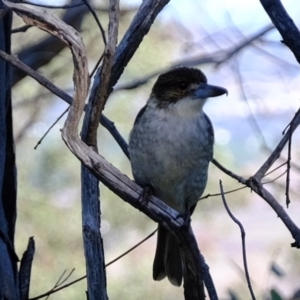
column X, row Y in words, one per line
column 181, row 83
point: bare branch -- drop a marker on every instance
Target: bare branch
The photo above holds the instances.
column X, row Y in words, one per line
column 276, row 153
column 109, row 125
column 254, row 184
column 100, row 92
column 42, row 52
column 61, row 287
column 48, row 130
column 274, row 179
column 219, row 194
column 97, row 20
column 57, row 289
column 284, row 24
column 243, row 235
column 288, row 170
column 60, row 281
column 90, row 196
column 25, row 269
column 132, row 248
column 275, row 169
column 21, row 29
column 215, row 58
column 139, row 27
column 109, row 175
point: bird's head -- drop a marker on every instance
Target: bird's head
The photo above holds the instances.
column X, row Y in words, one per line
column 183, row 89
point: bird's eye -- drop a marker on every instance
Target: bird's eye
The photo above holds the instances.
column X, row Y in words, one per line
column 183, row 85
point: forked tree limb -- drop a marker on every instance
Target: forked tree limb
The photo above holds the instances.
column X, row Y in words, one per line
column 113, row 178
column 90, row 191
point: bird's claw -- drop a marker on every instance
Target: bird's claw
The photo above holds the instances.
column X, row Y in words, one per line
column 186, row 216
column 146, row 194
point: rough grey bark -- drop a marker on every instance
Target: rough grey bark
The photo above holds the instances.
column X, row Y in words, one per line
column 93, row 243
column 8, row 258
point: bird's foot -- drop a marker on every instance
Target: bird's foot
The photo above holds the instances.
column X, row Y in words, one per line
column 146, row 194
column 186, row 216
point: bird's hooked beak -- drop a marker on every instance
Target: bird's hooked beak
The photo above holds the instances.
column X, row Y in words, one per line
column 207, row 91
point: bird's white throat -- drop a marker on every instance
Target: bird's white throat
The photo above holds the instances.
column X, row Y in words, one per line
column 185, row 108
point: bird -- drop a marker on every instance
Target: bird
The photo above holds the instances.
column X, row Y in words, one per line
column 170, row 147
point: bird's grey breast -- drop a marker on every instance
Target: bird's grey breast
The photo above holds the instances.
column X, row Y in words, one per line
column 170, row 153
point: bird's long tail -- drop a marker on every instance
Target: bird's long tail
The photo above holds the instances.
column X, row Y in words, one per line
column 167, row 260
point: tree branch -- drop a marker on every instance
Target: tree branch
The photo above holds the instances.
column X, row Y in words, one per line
column 25, row 270
column 284, row 24
column 120, row 184
column 90, row 198
column 277, row 151
column 216, row 59
column 44, row 51
column 100, row 92
column 243, row 235
column 109, row 125
column 254, row 184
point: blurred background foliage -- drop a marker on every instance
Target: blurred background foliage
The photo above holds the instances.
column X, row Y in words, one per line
column 263, row 84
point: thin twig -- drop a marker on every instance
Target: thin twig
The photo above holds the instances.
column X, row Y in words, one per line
column 67, row 277
column 109, row 125
column 244, row 187
column 228, row 172
column 59, row 282
column 255, row 184
column 52, row 291
column 214, row 58
column 97, row 20
column 288, row 169
column 48, row 130
column 131, row 249
column 243, row 235
column 21, row 29
column 275, row 169
column 274, row 179
column 96, row 65
column 219, row 194
column 277, row 151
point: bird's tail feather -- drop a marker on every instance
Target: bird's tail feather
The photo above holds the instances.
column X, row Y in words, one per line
column 167, row 261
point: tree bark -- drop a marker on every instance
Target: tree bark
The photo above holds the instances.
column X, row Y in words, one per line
column 8, row 258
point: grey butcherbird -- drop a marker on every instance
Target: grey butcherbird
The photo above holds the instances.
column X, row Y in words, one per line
column 170, row 146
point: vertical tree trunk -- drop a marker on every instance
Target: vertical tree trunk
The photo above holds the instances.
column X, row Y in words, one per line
column 8, row 259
